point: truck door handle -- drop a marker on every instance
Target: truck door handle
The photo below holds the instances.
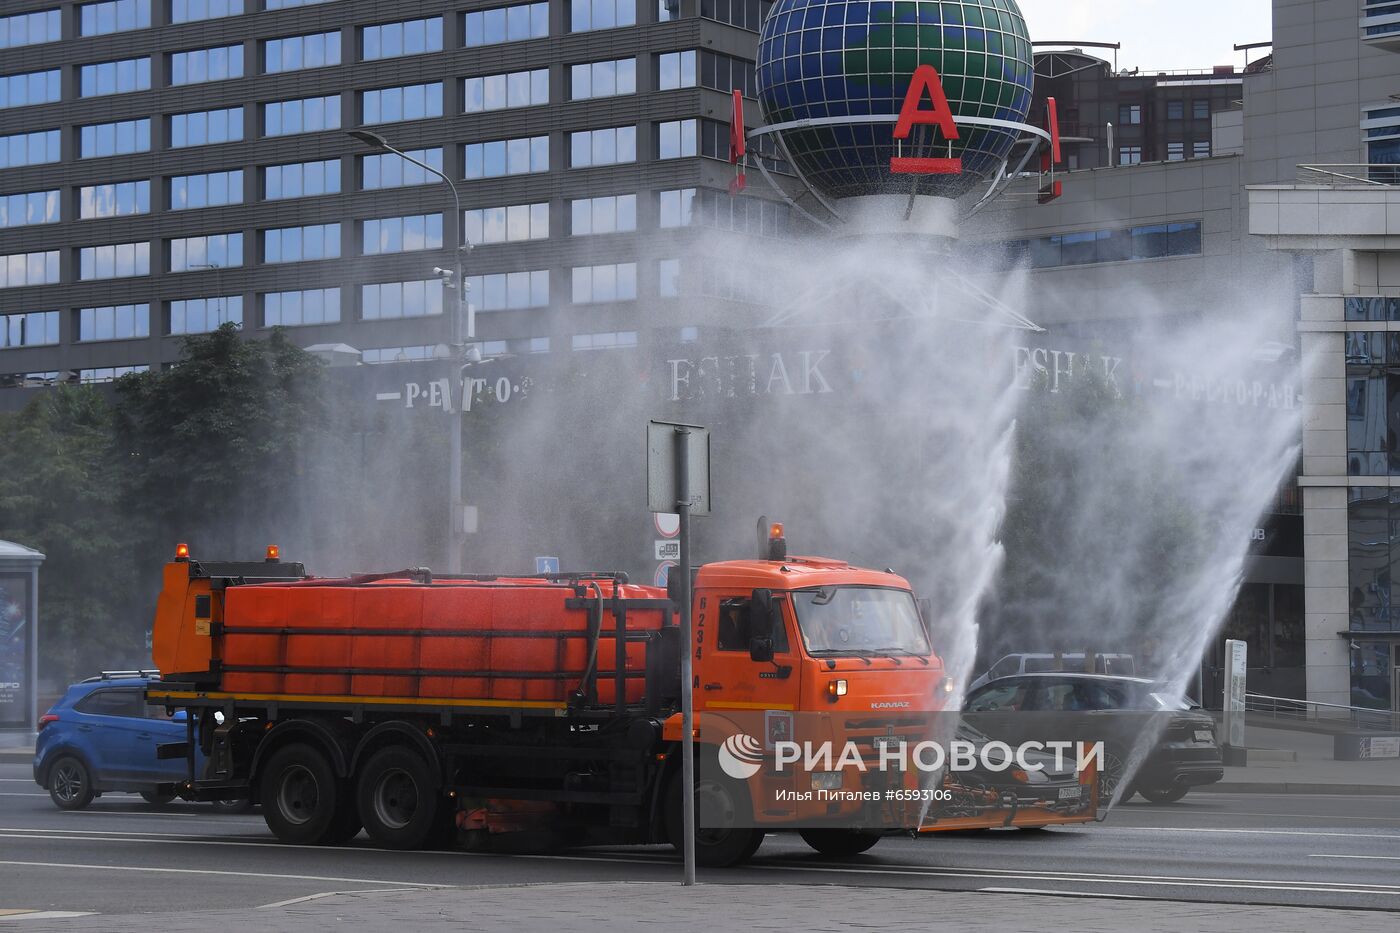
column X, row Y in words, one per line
column 714, row 686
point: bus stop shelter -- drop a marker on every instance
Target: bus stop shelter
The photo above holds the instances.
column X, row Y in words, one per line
column 19, row 640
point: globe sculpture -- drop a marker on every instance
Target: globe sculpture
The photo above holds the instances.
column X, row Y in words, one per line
column 833, row 75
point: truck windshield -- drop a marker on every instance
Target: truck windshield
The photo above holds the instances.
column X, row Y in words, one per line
column 857, row 620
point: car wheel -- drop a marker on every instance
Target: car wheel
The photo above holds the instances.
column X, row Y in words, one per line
column 156, row 798
column 70, row 784
column 721, row 809
column 397, row 798
column 839, row 843
column 1110, row 775
column 1164, row 794
column 302, row 798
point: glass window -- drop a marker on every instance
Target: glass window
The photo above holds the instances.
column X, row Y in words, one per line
column 293, row 53
column 499, row 92
column 108, row 373
column 611, row 146
column 34, row 87
column 200, row 65
column 506, row 157
column 586, row 15
column 383, row 300
column 667, row 10
column 392, row 104
column 33, row 207
column 18, row 269
column 675, row 69
column 37, row 148
column 415, row 354
column 387, row 170
column 513, row 222
column 1176, row 151
column 676, row 139
column 1176, row 109
column 1200, row 109
column 213, row 251
column 746, row 14
column 1129, row 114
column 190, row 11
column 503, row 291
column 301, row 179
column 113, row 703
column 307, row 115
column 410, row 37
column 201, row 315
column 206, row 127
column 613, row 282
column 609, row 340
column 30, row 28
column 505, row 24
column 114, row 322
column 603, row 79
column 120, row 77
column 611, row 214
column 1200, row 149
column 213, row 189
column 31, row 329
column 99, row 19
column 115, row 261
column 402, row 234
column 118, row 199
column 725, row 73
column 676, row 207
column 120, row 138
column 288, row 4
column 301, row 244
column 668, row 277
column 307, row 306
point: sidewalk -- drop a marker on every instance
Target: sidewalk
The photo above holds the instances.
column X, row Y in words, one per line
column 1312, row 769
column 717, row 908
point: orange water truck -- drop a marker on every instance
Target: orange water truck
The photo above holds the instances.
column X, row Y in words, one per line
column 424, row 708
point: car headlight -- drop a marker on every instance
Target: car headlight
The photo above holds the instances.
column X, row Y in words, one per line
column 1030, row 777
column 826, row 780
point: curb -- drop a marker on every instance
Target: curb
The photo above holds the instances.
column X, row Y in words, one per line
column 1264, row 787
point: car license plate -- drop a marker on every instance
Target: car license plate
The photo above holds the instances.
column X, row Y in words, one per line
column 1203, row 735
column 1071, row 793
column 892, row 741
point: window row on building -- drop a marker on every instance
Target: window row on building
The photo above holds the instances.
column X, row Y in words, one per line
column 1124, row 244
column 497, row 291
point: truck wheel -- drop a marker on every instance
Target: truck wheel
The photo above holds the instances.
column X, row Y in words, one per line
column 397, row 798
column 722, row 808
column 1164, row 794
column 70, row 784
column 839, row 843
column 302, row 799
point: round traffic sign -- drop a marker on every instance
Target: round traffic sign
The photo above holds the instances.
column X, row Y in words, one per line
column 668, row 524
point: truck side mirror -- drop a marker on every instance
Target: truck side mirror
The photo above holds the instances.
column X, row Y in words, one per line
column 761, row 622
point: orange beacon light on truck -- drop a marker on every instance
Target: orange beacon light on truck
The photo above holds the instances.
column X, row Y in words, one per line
column 182, row 552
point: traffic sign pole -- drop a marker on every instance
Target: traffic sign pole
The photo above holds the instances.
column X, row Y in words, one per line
column 687, row 639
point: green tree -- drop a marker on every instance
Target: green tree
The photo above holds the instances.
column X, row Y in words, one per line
column 60, row 494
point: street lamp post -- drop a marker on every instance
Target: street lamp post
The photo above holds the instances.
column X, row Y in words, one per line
column 461, row 329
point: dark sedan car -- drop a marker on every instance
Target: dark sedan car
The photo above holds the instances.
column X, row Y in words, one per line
column 1121, row 712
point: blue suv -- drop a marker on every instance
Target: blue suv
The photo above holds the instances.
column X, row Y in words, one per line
column 102, row 736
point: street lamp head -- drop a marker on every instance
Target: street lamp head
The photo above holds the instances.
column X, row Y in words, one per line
column 373, row 140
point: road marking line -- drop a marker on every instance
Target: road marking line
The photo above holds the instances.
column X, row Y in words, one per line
column 1062, row 893
column 10, row 793
column 102, row 835
column 234, row 874
column 1394, row 837
column 1338, row 887
column 44, row 914
column 316, row 897
column 1378, row 858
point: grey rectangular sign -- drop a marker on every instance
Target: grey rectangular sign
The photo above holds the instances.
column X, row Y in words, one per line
column 662, row 493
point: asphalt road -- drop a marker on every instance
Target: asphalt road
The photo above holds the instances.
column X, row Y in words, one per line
column 123, row 856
